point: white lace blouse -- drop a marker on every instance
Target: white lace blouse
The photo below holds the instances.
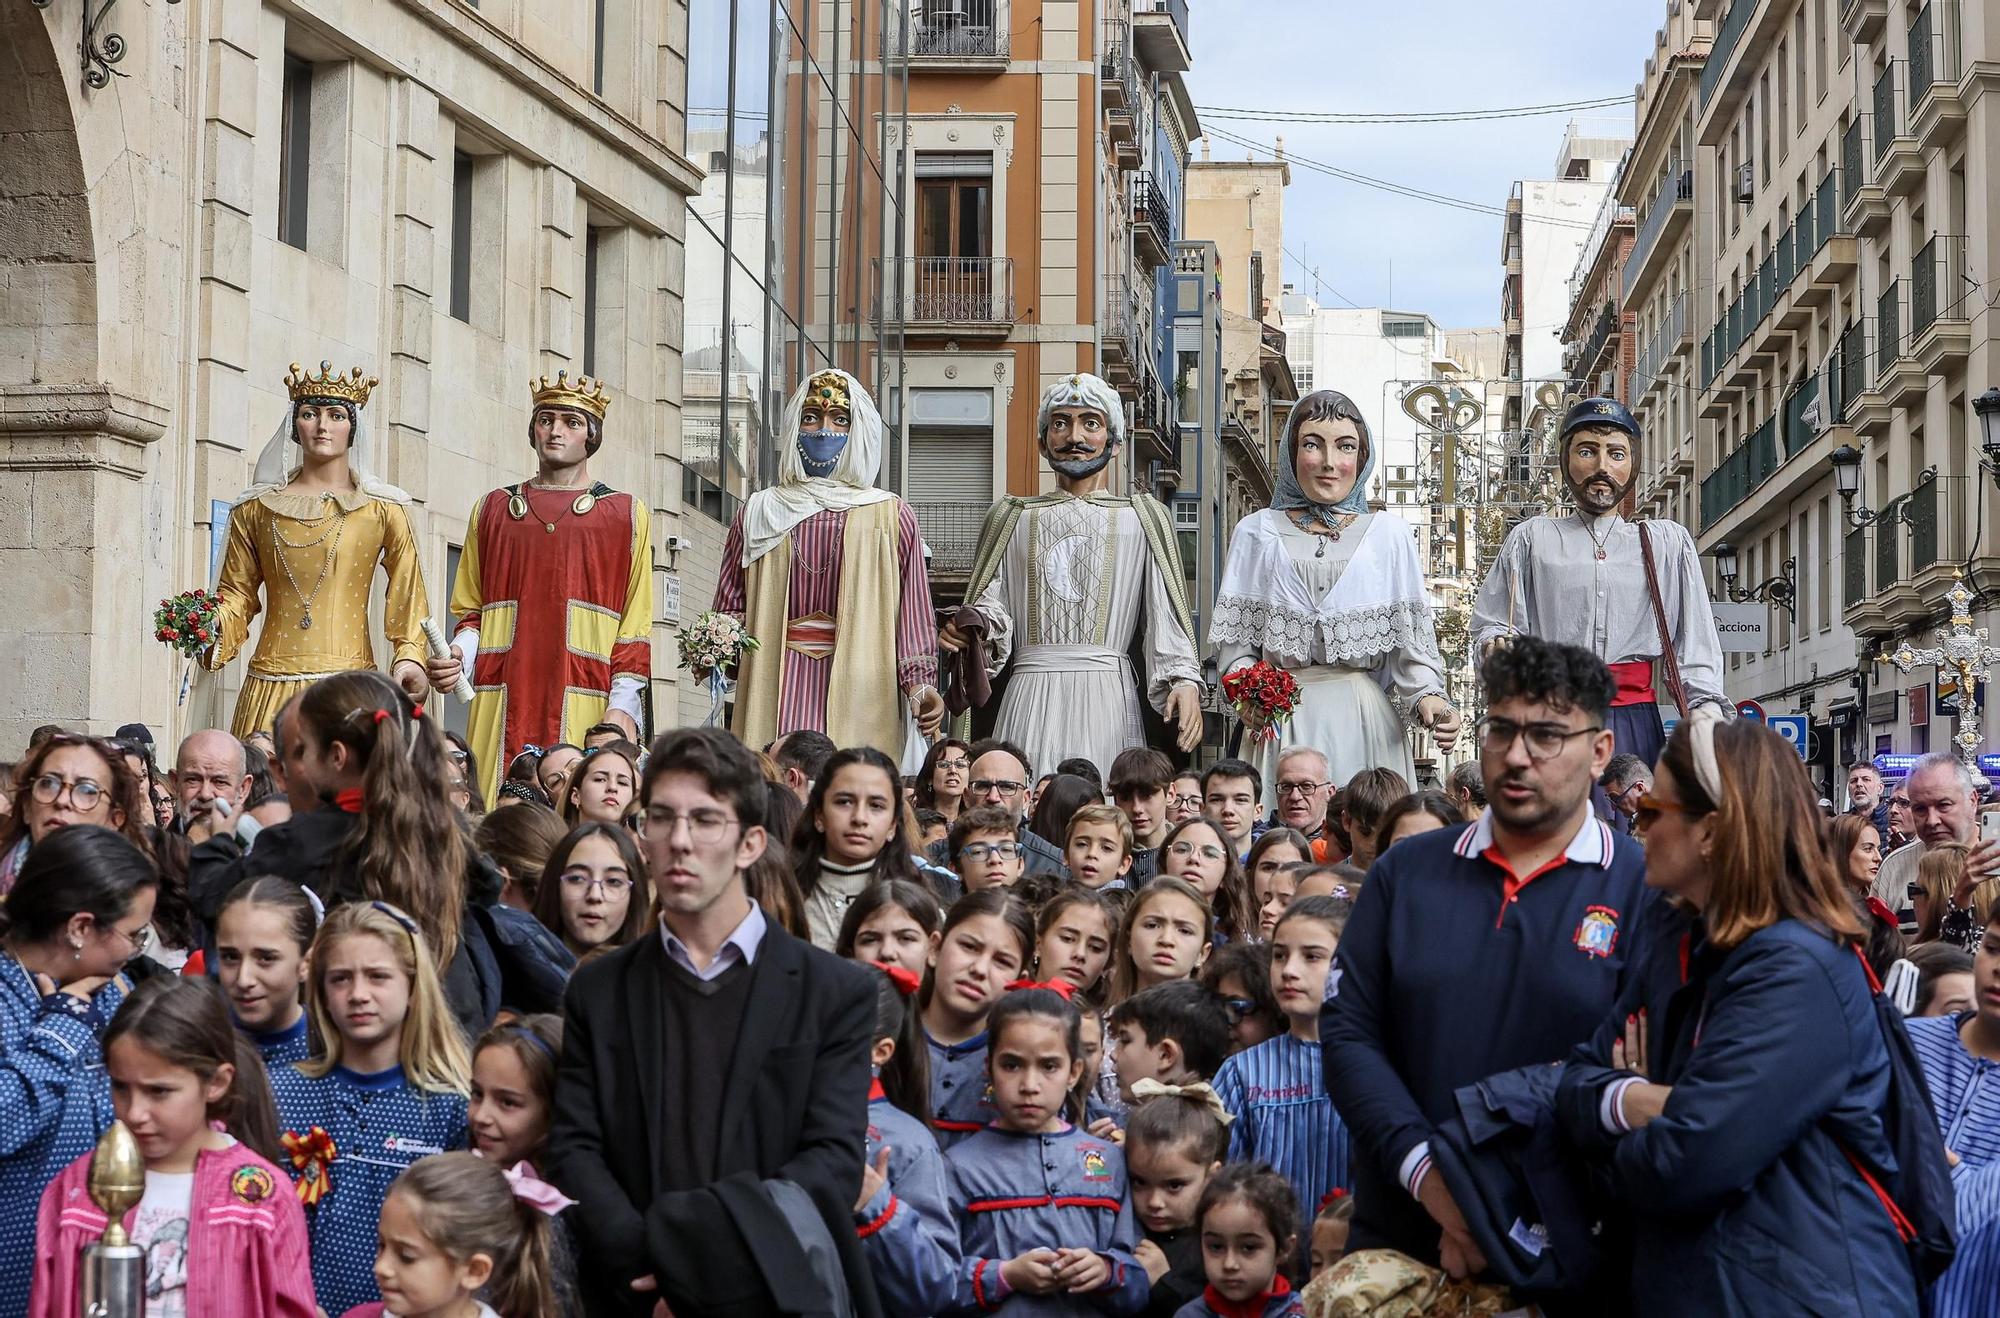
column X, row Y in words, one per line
column 1361, row 605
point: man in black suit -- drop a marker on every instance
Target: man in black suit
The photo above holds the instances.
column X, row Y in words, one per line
column 704, row 1059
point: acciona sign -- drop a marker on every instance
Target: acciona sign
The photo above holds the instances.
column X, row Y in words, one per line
column 1741, row 626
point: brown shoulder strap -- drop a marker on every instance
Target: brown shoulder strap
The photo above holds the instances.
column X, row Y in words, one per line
column 1668, row 658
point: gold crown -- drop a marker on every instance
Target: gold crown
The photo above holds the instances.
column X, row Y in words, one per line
column 828, row 389
column 350, row 388
column 584, row 394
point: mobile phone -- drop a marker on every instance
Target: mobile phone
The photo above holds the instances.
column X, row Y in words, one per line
column 1989, row 825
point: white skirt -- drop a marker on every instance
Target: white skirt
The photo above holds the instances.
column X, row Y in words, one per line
column 1344, row 714
column 1070, row 700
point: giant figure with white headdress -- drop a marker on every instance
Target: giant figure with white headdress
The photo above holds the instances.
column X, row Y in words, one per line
column 827, row 571
column 1063, row 583
column 308, row 535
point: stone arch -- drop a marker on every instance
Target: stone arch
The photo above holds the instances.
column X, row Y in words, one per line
column 48, row 258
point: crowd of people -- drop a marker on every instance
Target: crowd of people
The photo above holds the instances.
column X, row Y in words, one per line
column 713, row 1029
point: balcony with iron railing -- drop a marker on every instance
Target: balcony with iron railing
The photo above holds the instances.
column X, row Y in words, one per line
column 951, row 533
column 1774, row 298
column 1864, row 202
column 1898, row 375
column 1160, row 35
column 1671, row 207
column 1899, row 157
column 1602, row 328
column 1940, row 318
column 1118, row 332
column 1722, row 51
column 1118, row 87
column 1749, row 465
column 1154, row 226
column 1938, row 106
column 955, row 34
column 1919, row 546
column 961, row 295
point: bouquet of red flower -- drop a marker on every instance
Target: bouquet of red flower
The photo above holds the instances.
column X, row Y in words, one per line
column 1266, row 688
column 186, row 621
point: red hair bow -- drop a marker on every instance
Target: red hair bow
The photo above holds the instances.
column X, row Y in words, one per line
column 381, row 714
column 900, row 976
column 1062, row 987
column 1333, row 1196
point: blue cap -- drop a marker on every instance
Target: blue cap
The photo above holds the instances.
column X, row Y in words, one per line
column 1600, row 412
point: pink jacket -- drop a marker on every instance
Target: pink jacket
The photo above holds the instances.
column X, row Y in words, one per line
column 247, row 1254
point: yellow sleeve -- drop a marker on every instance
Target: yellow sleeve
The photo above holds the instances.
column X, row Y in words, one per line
column 408, row 603
column 236, row 587
column 466, row 596
column 634, row 649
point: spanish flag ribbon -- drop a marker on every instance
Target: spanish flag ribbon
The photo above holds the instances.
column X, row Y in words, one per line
column 312, row 1154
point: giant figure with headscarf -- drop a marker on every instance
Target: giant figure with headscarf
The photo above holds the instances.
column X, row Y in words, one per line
column 309, row 533
column 827, row 571
column 1062, row 584
column 1320, row 586
column 1582, row 579
column 553, row 604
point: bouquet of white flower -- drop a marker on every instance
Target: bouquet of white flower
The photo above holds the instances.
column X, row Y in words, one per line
column 709, row 644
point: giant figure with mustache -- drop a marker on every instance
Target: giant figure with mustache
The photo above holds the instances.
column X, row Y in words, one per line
column 1064, row 581
column 1581, row 580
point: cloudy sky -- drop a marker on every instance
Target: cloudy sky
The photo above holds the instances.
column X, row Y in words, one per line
column 1371, row 247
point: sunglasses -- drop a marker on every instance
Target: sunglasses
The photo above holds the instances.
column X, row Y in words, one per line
column 1652, row 807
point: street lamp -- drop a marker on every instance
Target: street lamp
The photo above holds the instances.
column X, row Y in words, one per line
column 1987, row 406
column 1846, row 462
column 1781, row 590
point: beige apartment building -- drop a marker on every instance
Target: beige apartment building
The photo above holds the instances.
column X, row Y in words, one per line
column 455, row 196
column 1844, row 238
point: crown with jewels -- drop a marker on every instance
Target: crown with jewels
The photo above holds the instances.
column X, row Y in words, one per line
column 829, row 390
column 583, row 393
column 353, row 388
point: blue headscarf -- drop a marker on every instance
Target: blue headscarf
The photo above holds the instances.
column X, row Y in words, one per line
column 1323, row 405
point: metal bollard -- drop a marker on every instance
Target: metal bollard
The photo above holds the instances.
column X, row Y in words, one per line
column 114, row 1269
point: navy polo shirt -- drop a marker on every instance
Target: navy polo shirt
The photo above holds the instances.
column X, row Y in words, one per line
column 1453, row 968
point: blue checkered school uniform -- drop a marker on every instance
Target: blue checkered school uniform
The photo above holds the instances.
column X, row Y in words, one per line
column 1965, row 1096
column 280, row 1048
column 379, row 1124
column 1284, row 1116
column 907, row 1232
column 961, row 1091
column 1012, row 1193
column 55, row 1100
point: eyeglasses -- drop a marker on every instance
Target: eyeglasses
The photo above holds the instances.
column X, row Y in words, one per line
column 1545, row 740
column 1005, row 786
column 138, row 941
column 1300, row 789
column 977, row 852
column 1239, row 1008
column 1914, row 891
column 612, row 885
column 1185, row 848
column 83, row 793
column 1184, row 802
column 705, row 827
column 457, row 756
column 960, row 765
column 1652, row 807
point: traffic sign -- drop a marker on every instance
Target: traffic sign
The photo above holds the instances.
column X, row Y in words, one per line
column 1751, row 710
column 1792, row 727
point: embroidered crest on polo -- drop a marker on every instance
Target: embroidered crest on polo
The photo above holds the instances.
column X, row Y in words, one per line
column 250, row 1183
column 1095, row 1168
column 1597, row 935
column 397, row 1144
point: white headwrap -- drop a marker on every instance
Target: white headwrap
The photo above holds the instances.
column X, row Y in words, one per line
column 280, row 460
column 1083, row 390
column 1701, row 725
column 772, row 512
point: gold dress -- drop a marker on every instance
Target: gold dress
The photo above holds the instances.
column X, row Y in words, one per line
column 315, row 596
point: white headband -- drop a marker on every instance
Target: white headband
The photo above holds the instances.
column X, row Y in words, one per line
column 1701, row 725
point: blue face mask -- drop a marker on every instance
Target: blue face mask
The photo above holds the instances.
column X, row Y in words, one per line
column 820, row 450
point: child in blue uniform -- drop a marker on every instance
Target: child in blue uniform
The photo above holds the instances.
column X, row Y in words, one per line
column 390, row 1089
column 1277, row 1089
column 1248, row 1233
column 903, row 1216
column 1043, row 1221
column 261, row 937
column 1173, row 1145
column 987, row 939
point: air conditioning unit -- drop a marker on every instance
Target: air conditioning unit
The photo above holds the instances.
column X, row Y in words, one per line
column 1746, row 183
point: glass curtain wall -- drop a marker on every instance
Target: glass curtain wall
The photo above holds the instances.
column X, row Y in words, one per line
column 791, row 109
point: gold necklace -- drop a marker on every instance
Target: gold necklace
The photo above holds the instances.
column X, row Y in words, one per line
column 331, row 538
column 1307, row 521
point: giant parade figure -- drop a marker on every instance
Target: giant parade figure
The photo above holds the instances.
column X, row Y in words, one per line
column 827, row 571
column 1060, row 583
column 1629, row 592
column 309, row 531
column 554, row 598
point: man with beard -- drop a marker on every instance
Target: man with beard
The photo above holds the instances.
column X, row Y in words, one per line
column 1061, row 582
column 1481, row 948
column 1582, row 580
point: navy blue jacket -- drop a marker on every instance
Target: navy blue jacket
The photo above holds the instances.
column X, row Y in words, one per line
column 1743, row 1198
column 1446, row 979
